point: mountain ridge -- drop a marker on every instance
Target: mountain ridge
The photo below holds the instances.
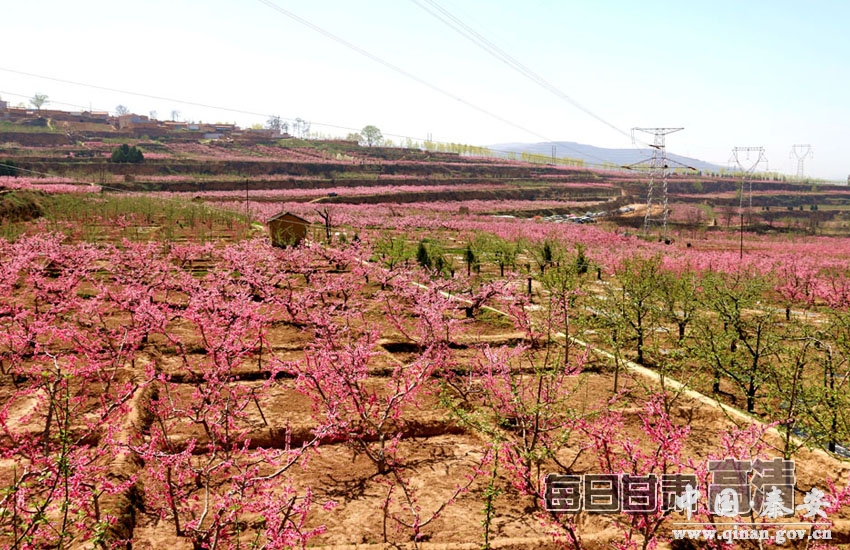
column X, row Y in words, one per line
column 599, row 155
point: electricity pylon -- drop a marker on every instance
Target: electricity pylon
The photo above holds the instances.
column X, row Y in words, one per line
column 746, row 167
column 658, row 170
column 801, row 153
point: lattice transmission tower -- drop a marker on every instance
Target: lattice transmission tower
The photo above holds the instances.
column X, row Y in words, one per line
column 746, row 160
column 659, row 168
column 746, row 166
column 801, row 153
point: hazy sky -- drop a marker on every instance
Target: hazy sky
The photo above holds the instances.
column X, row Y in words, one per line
column 770, row 73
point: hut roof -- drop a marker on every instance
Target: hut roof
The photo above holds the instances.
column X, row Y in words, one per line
column 289, row 217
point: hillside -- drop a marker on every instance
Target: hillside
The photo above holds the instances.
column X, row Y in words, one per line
column 450, row 329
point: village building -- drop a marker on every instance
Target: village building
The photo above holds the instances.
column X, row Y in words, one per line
column 133, row 121
column 287, row 229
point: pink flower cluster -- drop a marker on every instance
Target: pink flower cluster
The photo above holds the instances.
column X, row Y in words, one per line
column 48, row 185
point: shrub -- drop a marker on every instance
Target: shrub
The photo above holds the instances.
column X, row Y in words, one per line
column 125, row 153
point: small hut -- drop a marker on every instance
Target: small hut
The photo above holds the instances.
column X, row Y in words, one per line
column 287, row 229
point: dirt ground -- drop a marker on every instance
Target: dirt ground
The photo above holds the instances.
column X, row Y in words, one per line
column 439, row 454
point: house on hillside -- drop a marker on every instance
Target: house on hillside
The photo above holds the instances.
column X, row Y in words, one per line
column 175, row 125
column 287, row 229
column 132, row 121
column 261, row 133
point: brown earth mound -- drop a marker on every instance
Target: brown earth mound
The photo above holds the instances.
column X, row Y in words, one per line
column 21, row 205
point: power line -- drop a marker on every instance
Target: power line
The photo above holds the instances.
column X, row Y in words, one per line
column 407, row 74
column 158, row 98
column 488, row 46
column 393, row 67
column 36, row 172
column 602, row 162
column 53, row 102
column 207, row 106
column 138, row 94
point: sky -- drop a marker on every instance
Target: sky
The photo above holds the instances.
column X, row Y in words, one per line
column 761, row 73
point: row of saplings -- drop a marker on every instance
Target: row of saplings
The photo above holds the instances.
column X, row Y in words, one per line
column 728, row 332
column 503, row 254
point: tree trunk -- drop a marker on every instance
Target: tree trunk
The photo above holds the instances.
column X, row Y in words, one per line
column 751, row 397
column 640, row 347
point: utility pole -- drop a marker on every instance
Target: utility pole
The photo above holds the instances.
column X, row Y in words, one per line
column 658, row 170
column 801, row 153
column 554, row 154
column 746, row 167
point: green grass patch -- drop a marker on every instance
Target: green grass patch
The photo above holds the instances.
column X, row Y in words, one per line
column 7, row 127
column 494, row 319
column 151, row 210
column 99, row 217
column 295, row 142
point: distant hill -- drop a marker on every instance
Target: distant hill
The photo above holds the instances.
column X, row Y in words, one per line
column 597, row 155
